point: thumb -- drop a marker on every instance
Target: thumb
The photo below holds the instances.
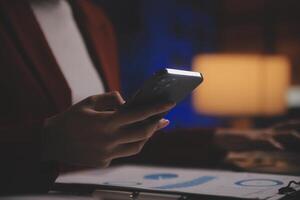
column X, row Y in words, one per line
column 108, row 101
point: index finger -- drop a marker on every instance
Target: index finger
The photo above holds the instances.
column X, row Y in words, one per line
column 290, row 141
column 137, row 114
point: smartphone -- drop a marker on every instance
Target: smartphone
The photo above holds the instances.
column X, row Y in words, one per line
column 166, row 85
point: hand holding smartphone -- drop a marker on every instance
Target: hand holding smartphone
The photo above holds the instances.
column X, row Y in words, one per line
column 166, row 85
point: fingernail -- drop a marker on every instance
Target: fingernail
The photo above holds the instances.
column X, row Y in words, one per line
column 163, row 123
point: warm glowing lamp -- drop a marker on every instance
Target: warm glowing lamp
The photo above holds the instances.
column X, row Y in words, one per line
column 242, row 85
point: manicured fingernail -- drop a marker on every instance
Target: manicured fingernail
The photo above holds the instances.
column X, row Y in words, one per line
column 164, row 123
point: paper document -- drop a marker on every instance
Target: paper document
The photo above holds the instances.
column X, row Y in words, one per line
column 193, row 181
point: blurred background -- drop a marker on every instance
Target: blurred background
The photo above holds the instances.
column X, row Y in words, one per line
column 248, row 51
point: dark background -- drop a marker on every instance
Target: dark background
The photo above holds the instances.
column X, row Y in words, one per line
column 153, row 34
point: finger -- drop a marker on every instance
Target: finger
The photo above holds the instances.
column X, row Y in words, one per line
column 293, row 124
column 103, row 102
column 290, row 141
column 296, row 134
column 139, row 114
column 130, row 149
column 276, row 144
column 140, row 131
column 108, row 101
column 162, row 124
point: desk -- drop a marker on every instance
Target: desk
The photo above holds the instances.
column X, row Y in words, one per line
column 245, row 160
column 53, row 196
column 75, row 197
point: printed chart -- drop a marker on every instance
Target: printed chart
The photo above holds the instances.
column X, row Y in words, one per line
column 194, row 181
column 259, row 183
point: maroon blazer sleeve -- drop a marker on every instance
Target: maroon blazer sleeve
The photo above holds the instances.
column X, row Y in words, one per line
column 33, row 88
column 21, row 169
column 21, row 138
column 23, row 108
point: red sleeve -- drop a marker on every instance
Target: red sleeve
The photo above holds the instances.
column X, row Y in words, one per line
column 22, row 113
column 21, row 169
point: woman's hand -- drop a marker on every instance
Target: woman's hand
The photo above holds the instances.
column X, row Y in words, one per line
column 93, row 132
column 284, row 136
column 246, row 140
column 287, row 134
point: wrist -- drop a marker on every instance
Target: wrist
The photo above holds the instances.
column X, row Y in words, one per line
column 48, row 132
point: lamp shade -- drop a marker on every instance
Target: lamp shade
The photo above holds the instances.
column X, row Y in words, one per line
column 241, row 85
